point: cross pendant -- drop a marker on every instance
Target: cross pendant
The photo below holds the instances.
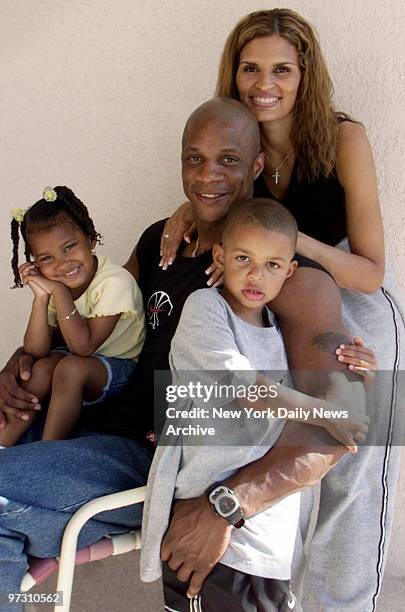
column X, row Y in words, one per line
column 276, row 176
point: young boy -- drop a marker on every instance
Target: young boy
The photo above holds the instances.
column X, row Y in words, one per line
column 230, row 335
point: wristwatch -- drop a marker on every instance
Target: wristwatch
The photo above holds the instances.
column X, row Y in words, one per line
column 225, row 503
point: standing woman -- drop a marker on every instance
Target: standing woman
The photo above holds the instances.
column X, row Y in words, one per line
column 319, row 164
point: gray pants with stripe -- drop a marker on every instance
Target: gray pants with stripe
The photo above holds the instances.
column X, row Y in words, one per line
column 349, row 547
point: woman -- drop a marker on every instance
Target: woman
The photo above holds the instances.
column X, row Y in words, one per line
column 319, row 165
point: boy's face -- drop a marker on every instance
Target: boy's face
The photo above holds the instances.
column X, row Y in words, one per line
column 256, row 263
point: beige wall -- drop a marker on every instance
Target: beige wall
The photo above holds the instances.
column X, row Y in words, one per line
column 94, row 94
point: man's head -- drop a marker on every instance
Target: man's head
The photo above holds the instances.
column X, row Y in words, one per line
column 220, row 157
column 258, row 245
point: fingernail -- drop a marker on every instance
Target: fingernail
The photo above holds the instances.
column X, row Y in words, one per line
column 170, row 261
column 340, row 358
column 209, row 282
column 188, row 240
column 341, row 345
column 351, row 367
column 37, row 407
column 25, row 417
column 338, row 351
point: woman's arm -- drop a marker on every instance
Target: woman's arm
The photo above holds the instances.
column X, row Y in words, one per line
column 180, row 226
column 363, row 268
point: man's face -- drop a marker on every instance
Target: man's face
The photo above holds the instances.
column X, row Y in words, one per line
column 218, row 166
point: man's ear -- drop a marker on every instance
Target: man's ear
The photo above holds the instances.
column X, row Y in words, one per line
column 291, row 268
column 258, row 165
column 218, row 254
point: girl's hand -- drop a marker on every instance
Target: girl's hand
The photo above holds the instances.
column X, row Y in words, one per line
column 28, row 269
column 216, row 272
column 359, row 358
column 179, row 227
column 40, row 285
column 29, row 273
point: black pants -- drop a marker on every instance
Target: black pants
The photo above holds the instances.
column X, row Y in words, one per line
column 228, row 590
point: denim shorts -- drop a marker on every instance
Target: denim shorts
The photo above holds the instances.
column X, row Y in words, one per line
column 118, row 373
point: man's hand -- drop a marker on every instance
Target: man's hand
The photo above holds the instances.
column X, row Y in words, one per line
column 195, row 541
column 14, row 400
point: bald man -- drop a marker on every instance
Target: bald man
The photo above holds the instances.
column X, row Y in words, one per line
column 221, row 157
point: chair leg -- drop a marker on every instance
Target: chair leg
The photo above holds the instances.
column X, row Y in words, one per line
column 71, row 534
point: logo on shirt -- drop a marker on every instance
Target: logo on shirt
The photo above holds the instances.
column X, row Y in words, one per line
column 159, row 303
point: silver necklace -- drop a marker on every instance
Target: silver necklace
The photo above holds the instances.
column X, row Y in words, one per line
column 197, row 246
column 276, row 175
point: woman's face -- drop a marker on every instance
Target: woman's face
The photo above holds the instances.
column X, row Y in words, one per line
column 268, row 77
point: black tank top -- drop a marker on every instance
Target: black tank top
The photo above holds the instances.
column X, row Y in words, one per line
column 318, row 207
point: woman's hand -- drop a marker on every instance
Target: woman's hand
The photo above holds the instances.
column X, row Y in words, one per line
column 216, row 272
column 179, row 227
column 359, row 358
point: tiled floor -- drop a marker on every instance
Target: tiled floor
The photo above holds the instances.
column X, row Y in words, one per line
column 112, row 585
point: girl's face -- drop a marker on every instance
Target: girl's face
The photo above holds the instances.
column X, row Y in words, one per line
column 63, row 254
column 268, row 77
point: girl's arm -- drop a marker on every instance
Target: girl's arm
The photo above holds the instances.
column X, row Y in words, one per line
column 38, row 336
column 363, row 268
column 82, row 336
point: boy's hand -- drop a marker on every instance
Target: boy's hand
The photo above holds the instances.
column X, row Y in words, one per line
column 359, row 358
column 349, row 396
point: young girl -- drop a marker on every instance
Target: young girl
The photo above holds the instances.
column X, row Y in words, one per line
column 90, row 309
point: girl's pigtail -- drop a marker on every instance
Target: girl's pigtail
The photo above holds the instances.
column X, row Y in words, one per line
column 15, row 237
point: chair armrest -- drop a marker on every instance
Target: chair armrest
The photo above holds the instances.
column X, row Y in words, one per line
column 71, row 534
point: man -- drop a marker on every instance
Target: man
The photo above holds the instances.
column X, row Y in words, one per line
column 220, row 159
column 36, row 503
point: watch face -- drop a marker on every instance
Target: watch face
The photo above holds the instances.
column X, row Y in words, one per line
column 226, row 505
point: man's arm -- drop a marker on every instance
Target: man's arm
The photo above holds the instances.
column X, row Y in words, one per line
column 132, row 264
column 310, row 316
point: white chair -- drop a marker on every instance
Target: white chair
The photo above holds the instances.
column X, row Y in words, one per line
column 69, row 556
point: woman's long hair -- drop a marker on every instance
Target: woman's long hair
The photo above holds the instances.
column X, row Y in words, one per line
column 315, row 125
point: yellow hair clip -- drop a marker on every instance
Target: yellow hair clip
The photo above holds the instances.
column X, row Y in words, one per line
column 18, row 214
column 49, row 194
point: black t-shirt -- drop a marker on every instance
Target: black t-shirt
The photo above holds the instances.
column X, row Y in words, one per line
column 130, row 412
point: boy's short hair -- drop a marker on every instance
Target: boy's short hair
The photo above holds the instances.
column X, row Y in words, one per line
column 264, row 212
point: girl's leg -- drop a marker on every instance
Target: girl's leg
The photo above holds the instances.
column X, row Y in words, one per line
column 39, row 385
column 75, row 378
